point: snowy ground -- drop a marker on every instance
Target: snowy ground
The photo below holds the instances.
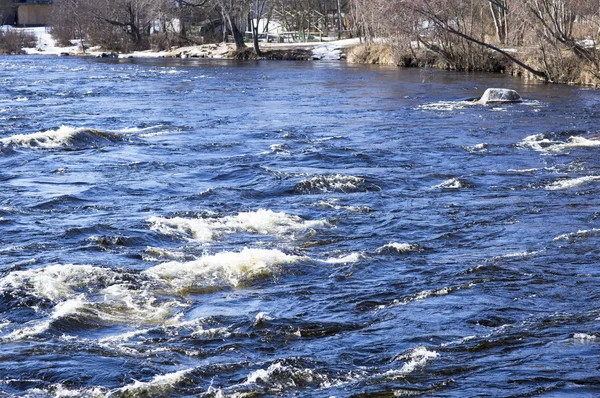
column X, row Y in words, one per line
column 46, row 45
column 326, row 51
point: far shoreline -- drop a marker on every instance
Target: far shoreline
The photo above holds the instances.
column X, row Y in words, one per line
column 329, row 49
column 352, row 51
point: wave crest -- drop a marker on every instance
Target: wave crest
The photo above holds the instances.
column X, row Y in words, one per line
column 279, row 376
column 56, row 282
column 264, row 222
column 222, row 269
column 334, row 183
column 398, row 248
column 415, row 358
column 570, row 183
column 541, row 143
column 453, row 183
column 160, row 385
column 63, row 137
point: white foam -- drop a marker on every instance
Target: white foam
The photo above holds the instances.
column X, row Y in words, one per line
column 157, row 253
column 29, row 331
column 68, row 307
column 4, row 323
column 44, row 139
column 582, row 233
column 431, row 293
column 278, row 149
column 97, row 290
column 350, row 258
column 124, row 336
column 155, row 134
column 446, row 105
column 60, row 391
column 526, row 253
column 459, row 341
column 260, row 318
column 584, row 337
column 65, row 308
column 424, row 294
column 416, row 358
column 476, row 148
column 281, row 376
column 523, row 170
column 335, row 137
column 211, row 333
column 55, row 282
column 158, row 384
column 139, row 129
column 226, row 268
column 332, row 204
column 331, row 183
column 571, row 183
column 452, row 183
column 265, row 374
column 540, row 143
column 265, row 222
column 124, row 304
column 401, row 248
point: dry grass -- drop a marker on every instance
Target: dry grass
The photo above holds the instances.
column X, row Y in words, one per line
column 371, row 54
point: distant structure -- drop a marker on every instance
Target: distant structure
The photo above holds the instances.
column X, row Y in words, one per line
column 25, row 12
column 8, row 12
column 33, row 12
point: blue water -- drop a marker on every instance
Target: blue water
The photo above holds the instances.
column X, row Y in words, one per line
column 195, row 228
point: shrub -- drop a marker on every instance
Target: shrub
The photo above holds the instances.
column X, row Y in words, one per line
column 12, row 41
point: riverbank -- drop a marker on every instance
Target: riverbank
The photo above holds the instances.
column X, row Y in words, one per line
column 332, row 50
column 568, row 70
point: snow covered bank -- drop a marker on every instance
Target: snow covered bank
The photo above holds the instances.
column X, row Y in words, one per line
column 46, row 45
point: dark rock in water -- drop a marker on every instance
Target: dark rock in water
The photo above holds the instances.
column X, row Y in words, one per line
column 107, row 55
column 499, row 95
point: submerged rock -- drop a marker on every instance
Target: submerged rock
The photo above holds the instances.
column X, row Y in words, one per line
column 499, row 95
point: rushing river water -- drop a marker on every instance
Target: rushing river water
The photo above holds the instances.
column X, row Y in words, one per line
column 189, row 228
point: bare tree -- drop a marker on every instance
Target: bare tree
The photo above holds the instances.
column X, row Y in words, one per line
column 555, row 22
column 259, row 8
column 499, row 10
column 69, row 20
column 235, row 13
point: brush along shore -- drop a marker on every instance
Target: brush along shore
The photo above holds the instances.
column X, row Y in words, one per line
column 565, row 68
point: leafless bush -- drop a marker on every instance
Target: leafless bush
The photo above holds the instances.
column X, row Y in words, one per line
column 164, row 40
column 492, row 34
column 12, row 41
column 110, row 38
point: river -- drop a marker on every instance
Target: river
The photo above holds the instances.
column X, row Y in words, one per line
column 219, row 228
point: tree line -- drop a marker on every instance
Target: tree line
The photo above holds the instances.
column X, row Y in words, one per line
column 125, row 25
column 555, row 40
